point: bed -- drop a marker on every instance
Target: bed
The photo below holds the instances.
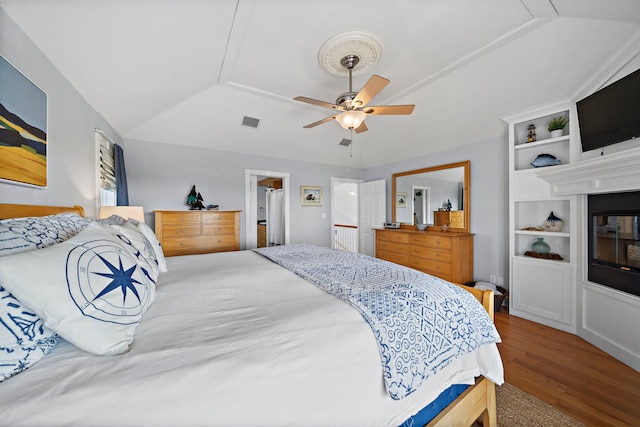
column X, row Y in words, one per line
column 228, row 339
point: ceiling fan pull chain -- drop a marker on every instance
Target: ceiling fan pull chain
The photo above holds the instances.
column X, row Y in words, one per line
column 352, row 140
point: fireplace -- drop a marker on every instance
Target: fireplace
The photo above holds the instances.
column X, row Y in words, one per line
column 614, row 240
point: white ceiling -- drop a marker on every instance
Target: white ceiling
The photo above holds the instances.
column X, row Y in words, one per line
column 188, row 71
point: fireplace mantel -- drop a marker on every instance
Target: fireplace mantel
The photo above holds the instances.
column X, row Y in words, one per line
column 612, row 173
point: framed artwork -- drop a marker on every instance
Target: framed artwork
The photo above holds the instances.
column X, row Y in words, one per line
column 23, row 128
column 401, row 200
column 310, row 196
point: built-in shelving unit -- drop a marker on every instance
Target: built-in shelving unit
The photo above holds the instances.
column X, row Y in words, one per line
column 541, row 289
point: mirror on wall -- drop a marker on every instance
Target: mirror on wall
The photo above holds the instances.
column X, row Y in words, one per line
column 437, row 196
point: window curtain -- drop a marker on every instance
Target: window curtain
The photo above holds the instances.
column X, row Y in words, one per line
column 275, row 217
column 122, row 190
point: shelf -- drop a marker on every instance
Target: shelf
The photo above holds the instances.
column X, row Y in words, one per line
column 565, row 260
column 536, row 283
column 543, row 233
column 537, row 144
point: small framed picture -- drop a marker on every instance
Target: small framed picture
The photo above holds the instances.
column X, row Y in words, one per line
column 401, row 200
column 310, row 196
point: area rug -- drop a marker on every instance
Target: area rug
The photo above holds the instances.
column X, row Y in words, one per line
column 517, row 408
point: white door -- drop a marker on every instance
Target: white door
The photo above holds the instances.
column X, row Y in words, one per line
column 372, row 197
column 251, row 205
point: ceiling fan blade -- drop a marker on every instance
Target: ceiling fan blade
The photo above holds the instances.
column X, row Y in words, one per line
column 381, row 110
column 319, row 122
column 361, row 128
column 316, row 102
column 370, row 89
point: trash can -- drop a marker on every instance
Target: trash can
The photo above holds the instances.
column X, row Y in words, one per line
column 499, row 294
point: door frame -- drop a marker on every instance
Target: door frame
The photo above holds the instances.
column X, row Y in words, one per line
column 251, row 205
column 335, row 181
column 426, row 202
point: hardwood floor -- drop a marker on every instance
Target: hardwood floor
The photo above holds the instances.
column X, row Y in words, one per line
column 568, row 373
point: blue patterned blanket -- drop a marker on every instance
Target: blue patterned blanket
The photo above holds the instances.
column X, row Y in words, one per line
column 421, row 322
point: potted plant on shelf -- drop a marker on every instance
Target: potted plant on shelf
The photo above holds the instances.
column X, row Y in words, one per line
column 556, row 126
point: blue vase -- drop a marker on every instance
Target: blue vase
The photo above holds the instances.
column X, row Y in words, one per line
column 540, row 246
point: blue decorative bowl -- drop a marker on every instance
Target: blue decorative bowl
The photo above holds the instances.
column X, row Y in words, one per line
column 544, row 160
column 422, row 227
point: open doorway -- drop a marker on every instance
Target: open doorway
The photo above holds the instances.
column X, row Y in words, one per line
column 364, row 200
column 421, row 204
column 258, row 209
column 344, row 214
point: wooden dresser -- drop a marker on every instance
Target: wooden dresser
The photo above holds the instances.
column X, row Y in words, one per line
column 446, row 255
column 454, row 219
column 262, row 235
column 198, row 232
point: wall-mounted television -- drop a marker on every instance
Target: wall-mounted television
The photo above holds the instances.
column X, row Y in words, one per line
column 612, row 114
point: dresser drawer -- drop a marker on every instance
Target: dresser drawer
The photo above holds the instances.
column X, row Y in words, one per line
column 218, row 229
column 398, row 258
column 218, row 219
column 441, row 255
column 438, row 269
column 171, row 230
column 439, row 242
column 192, row 218
column 392, row 236
column 391, row 247
column 196, row 245
column 419, row 239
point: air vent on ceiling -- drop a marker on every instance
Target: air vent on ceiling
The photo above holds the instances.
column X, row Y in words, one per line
column 250, row 122
column 345, row 142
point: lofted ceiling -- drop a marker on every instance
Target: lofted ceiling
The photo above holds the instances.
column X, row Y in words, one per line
column 188, row 71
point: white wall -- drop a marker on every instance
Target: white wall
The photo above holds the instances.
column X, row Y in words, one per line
column 161, row 175
column 489, row 199
column 70, row 133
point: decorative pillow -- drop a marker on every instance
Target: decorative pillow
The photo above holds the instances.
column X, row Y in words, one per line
column 91, row 289
column 137, row 239
column 23, row 234
column 151, row 237
column 23, row 338
column 112, row 220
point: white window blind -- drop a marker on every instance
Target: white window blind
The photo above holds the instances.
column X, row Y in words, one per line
column 107, row 170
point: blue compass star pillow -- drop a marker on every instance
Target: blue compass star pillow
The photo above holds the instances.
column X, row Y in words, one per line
column 91, row 289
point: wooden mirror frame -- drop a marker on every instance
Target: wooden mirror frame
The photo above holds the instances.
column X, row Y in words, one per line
column 466, row 165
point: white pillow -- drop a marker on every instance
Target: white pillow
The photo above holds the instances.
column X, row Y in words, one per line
column 91, row 289
column 151, row 237
column 137, row 239
column 23, row 234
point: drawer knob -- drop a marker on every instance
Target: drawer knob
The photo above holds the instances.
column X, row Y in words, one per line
column 182, row 230
column 437, row 253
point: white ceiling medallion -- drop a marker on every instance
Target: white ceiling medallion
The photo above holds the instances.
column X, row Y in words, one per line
column 364, row 45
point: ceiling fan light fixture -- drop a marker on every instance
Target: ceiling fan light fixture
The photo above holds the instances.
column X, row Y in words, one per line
column 351, row 119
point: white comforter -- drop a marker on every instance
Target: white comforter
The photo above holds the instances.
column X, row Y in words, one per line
column 232, row 339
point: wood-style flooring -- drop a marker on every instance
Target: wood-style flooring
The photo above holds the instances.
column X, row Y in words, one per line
column 568, row 373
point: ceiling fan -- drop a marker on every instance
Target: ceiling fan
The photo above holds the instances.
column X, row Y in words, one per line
column 351, row 107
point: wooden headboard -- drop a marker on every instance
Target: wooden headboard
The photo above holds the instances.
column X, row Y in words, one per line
column 8, row 210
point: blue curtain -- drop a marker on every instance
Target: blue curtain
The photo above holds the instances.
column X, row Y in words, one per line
column 122, row 191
